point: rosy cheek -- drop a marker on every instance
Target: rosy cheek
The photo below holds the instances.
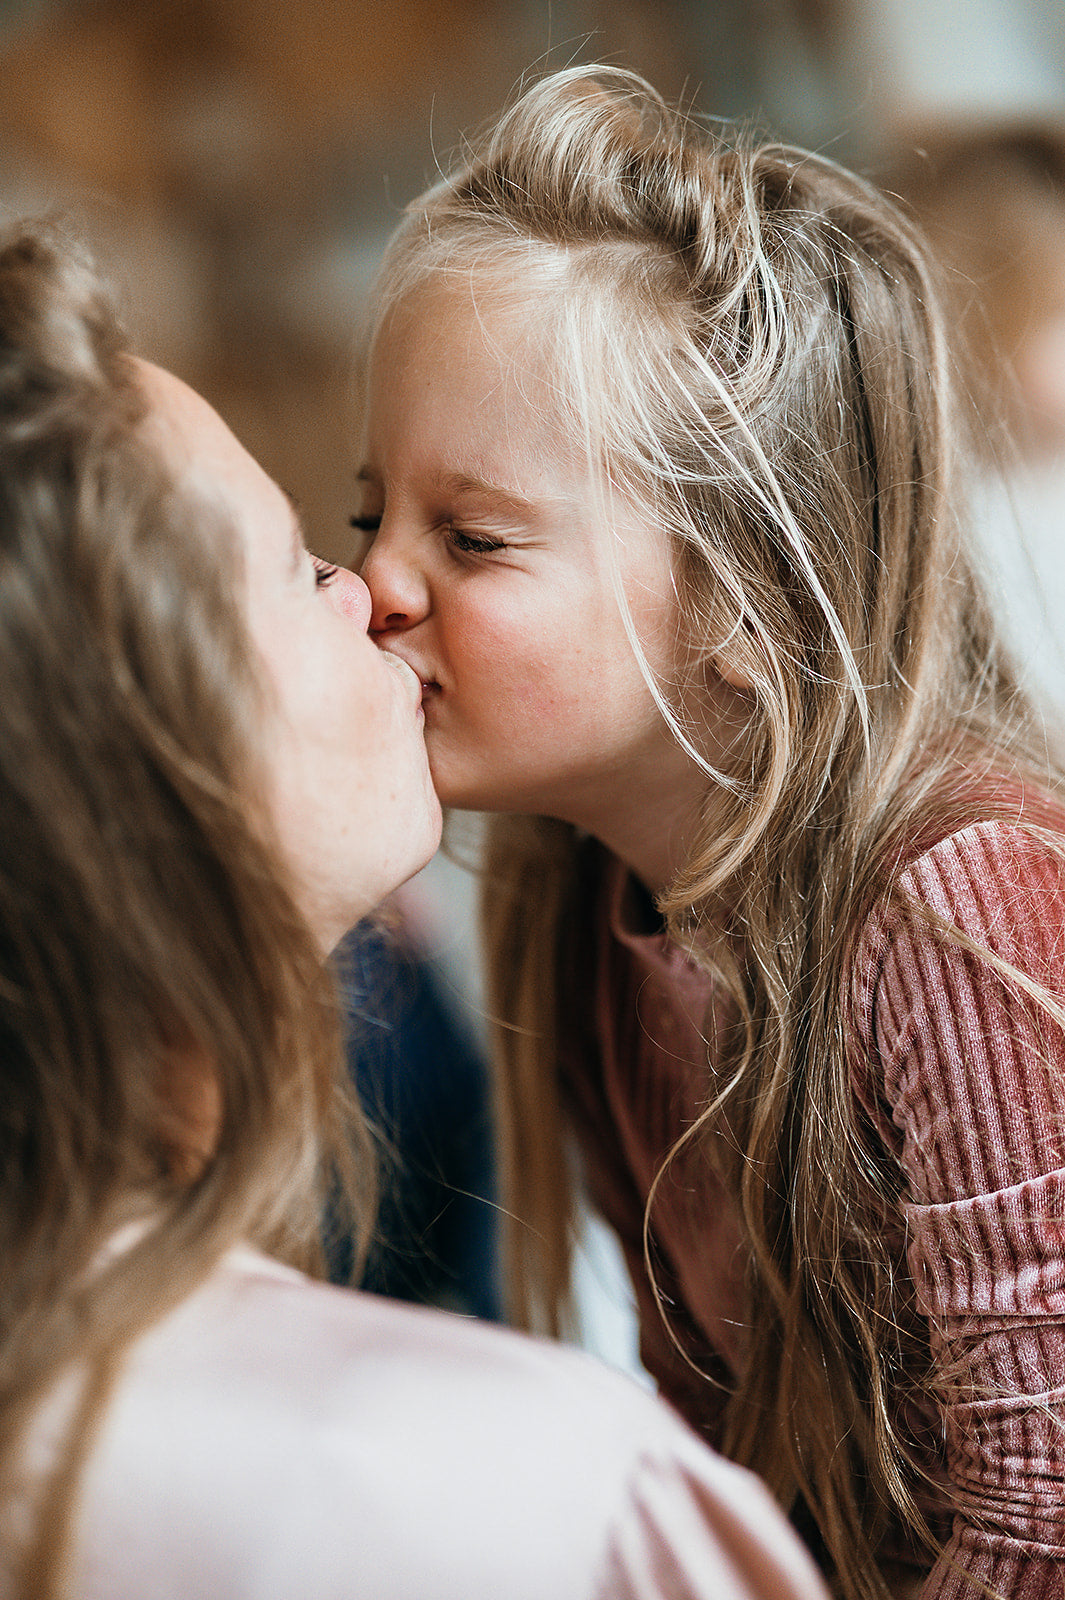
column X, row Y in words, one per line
column 349, row 595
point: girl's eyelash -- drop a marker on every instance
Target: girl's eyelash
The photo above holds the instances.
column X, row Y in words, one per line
column 469, row 544
column 324, row 571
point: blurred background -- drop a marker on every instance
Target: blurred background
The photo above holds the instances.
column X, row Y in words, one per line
column 238, row 164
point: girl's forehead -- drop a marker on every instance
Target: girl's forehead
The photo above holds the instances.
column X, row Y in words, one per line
column 447, row 348
column 461, row 406
column 502, row 313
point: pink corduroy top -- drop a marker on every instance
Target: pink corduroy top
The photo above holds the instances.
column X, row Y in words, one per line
column 966, row 1086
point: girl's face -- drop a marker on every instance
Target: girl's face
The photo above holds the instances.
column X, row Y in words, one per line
column 347, row 784
column 490, row 573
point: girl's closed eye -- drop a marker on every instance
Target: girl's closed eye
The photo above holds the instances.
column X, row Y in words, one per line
column 470, row 544
column 365, row 524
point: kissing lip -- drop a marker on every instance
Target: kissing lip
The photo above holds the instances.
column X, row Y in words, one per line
column 410, row 676
column 430, row 687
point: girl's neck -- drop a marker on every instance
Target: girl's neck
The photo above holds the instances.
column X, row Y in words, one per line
column 651, row 833
column 649, row 815
column 646, row 814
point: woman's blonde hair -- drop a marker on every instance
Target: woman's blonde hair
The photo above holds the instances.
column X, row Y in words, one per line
column 748, row 338
column 149, row 951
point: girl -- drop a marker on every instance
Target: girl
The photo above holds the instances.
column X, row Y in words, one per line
column 660, row 488
column 207, row 773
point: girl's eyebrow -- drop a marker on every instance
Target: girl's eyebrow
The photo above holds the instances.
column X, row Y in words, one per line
column 463, row 483
column 509, row 499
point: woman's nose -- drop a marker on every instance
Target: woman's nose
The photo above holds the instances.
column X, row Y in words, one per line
column 398, row 590
column 349, row 595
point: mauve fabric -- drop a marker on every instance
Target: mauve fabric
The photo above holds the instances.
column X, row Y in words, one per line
column 277, row 1439
column 966, row 1084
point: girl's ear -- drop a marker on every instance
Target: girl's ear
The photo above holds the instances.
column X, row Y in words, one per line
column 733, row 659
column 732, row 669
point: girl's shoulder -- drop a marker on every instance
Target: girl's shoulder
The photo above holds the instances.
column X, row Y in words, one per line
column 997, row 842
column 978, row 882
column 957, row 1020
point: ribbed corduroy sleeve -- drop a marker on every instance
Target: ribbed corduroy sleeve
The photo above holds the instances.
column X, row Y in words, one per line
column 972, row 1074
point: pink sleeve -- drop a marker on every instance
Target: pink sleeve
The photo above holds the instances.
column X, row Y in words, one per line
column 696, row 1527
column 974, row 1078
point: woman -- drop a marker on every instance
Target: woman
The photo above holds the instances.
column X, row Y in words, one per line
column 200, row 794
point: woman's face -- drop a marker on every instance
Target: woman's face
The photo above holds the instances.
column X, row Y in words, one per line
column 490, row 573
column 342, row 742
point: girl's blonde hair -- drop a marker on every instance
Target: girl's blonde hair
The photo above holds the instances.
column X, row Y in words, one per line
column 148, row 947
column 748, row 337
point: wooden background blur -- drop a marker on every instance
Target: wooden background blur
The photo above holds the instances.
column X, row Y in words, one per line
column 238, row 163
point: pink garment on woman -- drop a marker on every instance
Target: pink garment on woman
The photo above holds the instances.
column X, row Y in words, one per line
column 276, row 1439
column 967, row 1085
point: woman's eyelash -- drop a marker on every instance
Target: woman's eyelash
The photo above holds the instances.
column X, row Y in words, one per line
column 366, row 524
column 324, row 571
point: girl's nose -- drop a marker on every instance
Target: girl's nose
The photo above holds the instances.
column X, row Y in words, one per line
column 350, row 596
column 398, row 590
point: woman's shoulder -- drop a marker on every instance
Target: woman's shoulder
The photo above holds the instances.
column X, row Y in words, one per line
column 336, row 1443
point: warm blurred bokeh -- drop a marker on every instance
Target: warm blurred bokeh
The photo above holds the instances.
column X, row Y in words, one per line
column 239, row 162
